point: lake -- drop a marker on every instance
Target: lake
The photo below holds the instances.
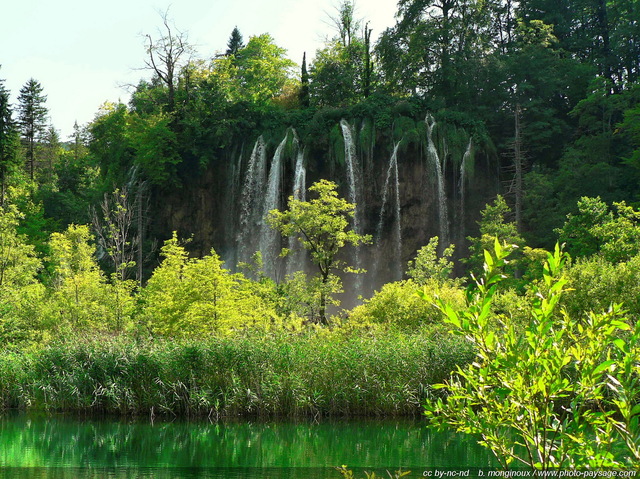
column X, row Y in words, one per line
column 44, row 446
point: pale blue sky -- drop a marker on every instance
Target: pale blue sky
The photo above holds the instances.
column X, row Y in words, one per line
column 82, row 51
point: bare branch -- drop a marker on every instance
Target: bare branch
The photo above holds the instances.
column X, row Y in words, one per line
column 166, row 54
column 114, row 230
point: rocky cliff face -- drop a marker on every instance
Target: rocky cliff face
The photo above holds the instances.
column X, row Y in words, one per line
column 400, row 205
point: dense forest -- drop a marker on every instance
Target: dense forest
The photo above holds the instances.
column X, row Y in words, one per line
column 532, row 112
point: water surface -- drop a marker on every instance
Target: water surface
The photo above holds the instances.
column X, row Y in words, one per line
column 68, row 447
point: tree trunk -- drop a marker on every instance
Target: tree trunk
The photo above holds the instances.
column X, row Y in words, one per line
column 603, row 27
column 517, row 159
column 140, row 233
column 323, row 299
column 2, row 186
column 31, row 153
column 445, row 54
column 367, row 61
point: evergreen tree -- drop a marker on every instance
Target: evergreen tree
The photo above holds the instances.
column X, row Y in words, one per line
column 368, row 66
column 8, row 141
column 304, row 80
column 32, row 118
column 235, row 43
column 79, row 141
column 52, row 150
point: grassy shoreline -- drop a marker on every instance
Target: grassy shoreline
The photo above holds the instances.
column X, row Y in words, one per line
column 309, row 374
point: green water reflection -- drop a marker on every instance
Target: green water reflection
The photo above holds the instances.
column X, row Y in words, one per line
column 52, row 447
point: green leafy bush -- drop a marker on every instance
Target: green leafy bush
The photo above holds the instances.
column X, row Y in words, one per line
column 562, row 393
column 398, row 305
column 429, row 265
column 595, row 284
column 615, row 234
column 188, row 297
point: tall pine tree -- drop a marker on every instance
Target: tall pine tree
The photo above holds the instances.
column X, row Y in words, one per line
column 8, row 141
column 32, row 118
column 235, row 43
column 304, row 83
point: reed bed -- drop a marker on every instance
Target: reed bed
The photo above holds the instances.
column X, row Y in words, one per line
column 286, row 375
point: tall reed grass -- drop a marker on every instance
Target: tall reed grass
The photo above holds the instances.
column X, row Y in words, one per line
column 287, row 374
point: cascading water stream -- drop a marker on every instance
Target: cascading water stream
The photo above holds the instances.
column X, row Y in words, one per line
column 300, row 179
column 432, row 154
column 231, row 209
column 353, row 170
column 392, row 171
column 466, row 158
column 268, row 235
column 297, row 257
column 398, row 225
column 235, row 182
column 354, row 178
column 251, row 201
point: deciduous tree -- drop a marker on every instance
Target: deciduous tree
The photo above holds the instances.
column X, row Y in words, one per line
column 165, row 55
column 595, row 229
column 322, row 227
column 114, row 226
column 109, row 143
column 341, row 73
column 263, row 69
column 18, row 261
column 83, row 299
column 188, row 297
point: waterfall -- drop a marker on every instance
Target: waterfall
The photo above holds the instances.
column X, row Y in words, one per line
column 269, row 236
column 297, row 257
column 300, row 178
column 392, row 171
column 398, row 225
column 353, row 171
column 231, row 209
column 463, row 173
column 432, row 153
column 354, row 178
column 251, row 201
column 235, row 183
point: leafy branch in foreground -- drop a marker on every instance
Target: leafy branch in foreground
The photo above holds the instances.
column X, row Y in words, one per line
column 562, row 392
column 348, row 474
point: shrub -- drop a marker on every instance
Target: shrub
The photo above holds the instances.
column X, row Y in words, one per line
column 397, row 304
column 596, row 284
column 195, row 297
column 562, row 393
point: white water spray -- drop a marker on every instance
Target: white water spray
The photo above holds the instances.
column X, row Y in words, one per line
column 466, row 158
column 392, row 172
column 297, row 256
column 432, row 154
column 268, row 235
column 251, row 202
column 354, row 177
